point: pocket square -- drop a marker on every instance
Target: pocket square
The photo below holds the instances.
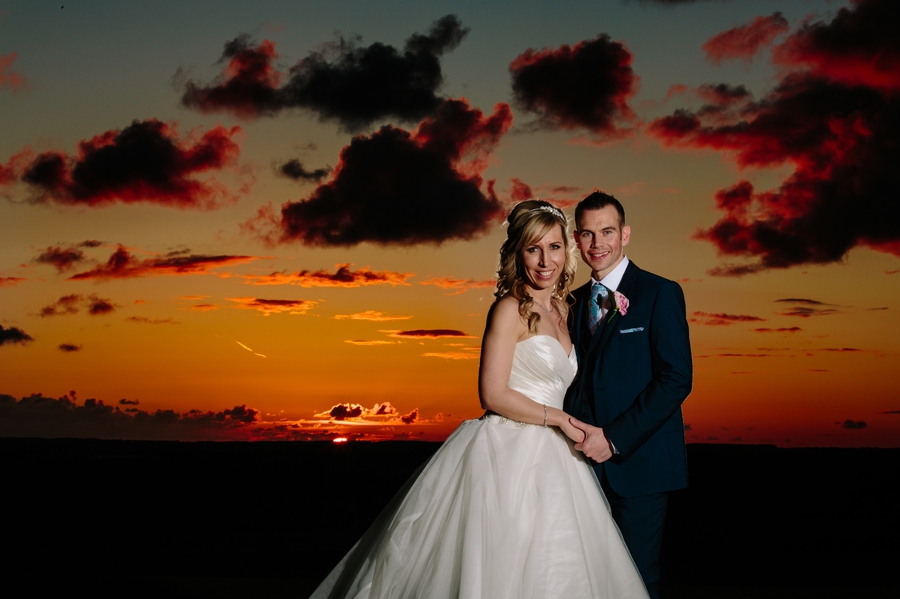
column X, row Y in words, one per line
column 634, row 330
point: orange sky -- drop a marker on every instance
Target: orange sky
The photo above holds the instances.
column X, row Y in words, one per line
column 192, row 304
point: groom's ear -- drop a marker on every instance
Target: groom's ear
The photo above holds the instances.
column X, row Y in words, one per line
column 626, row 235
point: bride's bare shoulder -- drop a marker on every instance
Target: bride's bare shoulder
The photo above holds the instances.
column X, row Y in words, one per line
column 504, row 316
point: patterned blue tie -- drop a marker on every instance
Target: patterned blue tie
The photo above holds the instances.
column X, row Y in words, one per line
column 599, row 293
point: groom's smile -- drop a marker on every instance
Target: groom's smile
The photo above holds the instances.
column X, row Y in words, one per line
column 601, row 238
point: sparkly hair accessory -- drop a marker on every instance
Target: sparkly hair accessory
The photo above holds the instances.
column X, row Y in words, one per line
column 552, row 210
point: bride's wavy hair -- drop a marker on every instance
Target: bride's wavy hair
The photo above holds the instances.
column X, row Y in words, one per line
column 528, row 222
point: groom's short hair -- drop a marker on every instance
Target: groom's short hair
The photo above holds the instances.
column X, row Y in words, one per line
column 596, row 201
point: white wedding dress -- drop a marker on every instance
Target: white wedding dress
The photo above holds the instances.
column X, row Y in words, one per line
column 502, row 510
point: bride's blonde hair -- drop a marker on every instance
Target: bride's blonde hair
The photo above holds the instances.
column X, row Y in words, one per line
column 528, row 222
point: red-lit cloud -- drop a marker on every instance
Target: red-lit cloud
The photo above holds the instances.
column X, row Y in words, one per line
column 519, row 191
column 746, row 40
column 68, row 347
column 145, row 162
column 274, row 306
column 452, row 355
column 585, row 86
column 64, row 257
column 459, row 285
column 399, row 188
column 13, row 335
column 722, row 319
column 123, row 265
column 778, row 330
column 370, row 315
column 8, row 78
column 343, row 276
column 10, row 281
column 342, row 82
column 839, row 135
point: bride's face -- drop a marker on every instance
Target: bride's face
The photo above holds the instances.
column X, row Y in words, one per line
column 544, row 259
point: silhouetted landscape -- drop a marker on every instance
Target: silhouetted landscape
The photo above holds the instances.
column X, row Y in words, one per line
column 270, row 519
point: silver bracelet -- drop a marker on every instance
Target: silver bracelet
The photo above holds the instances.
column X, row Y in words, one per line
column 545, row 416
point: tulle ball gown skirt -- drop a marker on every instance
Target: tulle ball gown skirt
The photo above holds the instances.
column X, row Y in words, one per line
column 502, row 510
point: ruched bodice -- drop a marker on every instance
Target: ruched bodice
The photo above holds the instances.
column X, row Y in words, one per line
column 542, row 371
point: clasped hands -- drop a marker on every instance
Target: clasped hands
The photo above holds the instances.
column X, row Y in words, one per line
column 589, row 440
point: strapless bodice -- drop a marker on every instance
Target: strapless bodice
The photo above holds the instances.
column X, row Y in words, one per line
column 542, row 371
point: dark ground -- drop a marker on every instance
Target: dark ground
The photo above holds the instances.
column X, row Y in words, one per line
column 167, row 519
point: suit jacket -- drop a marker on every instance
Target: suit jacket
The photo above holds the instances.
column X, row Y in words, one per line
column 633, row 374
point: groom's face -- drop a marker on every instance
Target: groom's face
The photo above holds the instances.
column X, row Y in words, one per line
column 601, row 240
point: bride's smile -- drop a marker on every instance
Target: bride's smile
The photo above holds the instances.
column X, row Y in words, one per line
column 544, row 259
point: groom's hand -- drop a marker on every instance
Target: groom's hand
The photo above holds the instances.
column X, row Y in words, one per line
column 595, row 444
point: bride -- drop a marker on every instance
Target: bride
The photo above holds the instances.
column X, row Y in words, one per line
column 506, row 508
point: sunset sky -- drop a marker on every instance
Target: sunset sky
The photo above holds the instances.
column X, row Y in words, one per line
column 276, row 219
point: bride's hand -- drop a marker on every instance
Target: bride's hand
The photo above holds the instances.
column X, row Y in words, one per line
column 572, row 431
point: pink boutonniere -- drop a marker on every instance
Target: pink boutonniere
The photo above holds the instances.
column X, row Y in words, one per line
column 621, row 305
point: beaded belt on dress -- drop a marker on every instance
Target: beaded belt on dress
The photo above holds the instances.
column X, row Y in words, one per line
column 488, row 415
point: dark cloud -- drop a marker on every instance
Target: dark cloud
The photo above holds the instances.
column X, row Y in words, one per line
column 411, row 417
column 67, row 304
column 123, row 265
column 274, row 306
column 145, row 320
column 801, row 300
column 853, row 425
column 585, row 86
column 69, row 347
column 722, row 319
column 779, row 330
column 430, row 334
column 806, row 312
column 39, row 416
column 64, row 257
column 343, row 276
column 746, row 40
column 891, row 412
column 744, row 355
column 97, row 306
column 293, row 169
column 858, row 47
column 129, row 402
column 355, row 86
column 344, row 411
column 400, row 188
column 145, row 162
column 837, row 131
column 13, row 335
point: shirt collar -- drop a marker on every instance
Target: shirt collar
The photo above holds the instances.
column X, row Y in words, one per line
column 614, row 277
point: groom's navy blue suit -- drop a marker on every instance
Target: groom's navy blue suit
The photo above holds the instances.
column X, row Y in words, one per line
column 634, row 373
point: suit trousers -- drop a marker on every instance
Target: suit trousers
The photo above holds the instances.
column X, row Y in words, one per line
column 641, row 521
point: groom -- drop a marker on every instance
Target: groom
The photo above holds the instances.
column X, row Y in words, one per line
column 634, row 372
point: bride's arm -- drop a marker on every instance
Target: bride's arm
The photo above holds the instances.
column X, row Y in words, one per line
column 504, row 328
